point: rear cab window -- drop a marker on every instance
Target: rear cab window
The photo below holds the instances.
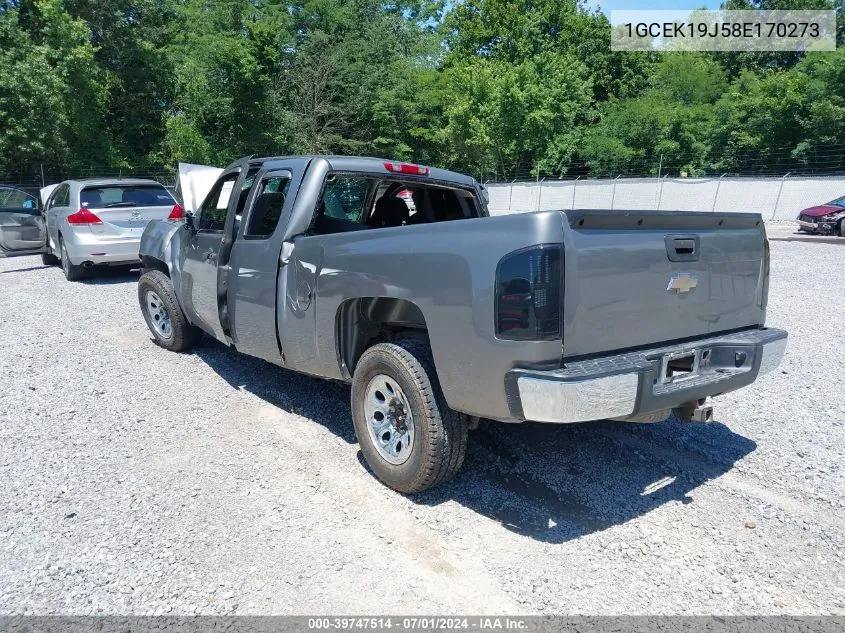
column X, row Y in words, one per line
column 360, row 202
column 109, row 196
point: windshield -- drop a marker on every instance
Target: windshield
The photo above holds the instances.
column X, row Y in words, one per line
column 125, row 196
column 839, row 202
column 11, row 198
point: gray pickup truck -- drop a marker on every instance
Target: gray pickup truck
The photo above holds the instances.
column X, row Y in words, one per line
column 392, row 277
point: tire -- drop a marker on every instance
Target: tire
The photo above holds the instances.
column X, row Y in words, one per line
column 72, row 272
column 159, row 307
column 842, row 228
column 439, row 440
column 48, row 259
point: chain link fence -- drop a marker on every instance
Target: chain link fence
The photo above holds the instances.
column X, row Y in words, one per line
column 39, row 178
column 775, row 198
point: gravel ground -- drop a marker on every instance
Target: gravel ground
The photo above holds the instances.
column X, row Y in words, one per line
column 138, row 481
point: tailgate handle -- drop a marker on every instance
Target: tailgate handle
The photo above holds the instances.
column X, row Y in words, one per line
column 683, row 248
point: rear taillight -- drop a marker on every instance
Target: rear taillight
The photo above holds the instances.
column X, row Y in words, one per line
column 528, row 294
column 83, row 216
column 406, row 168
column 177, row 213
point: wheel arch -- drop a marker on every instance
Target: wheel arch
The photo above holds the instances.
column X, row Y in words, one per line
column 148, row 262
column 363, row 321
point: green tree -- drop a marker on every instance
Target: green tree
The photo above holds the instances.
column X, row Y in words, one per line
column 757, row 118
column 52, row 97
column 129, row 38
column 29, row 87
column 514, row 118
column 220, row 86
column 669, row 124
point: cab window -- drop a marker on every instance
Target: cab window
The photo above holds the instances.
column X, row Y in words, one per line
column 343, row 204
column 268, row 205
column 214, row 207
column 356, row 203
column 246, row 187
column 345, row 198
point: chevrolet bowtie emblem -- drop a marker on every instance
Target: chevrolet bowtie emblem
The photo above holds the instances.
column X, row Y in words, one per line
column 682, row 282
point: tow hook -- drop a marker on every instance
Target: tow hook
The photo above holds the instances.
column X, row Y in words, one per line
column 694, row 412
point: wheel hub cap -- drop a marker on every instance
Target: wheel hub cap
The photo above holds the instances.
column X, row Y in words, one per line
column 389, row 419
column 159, row 318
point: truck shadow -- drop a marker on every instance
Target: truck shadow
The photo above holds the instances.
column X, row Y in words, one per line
column 552, row 483
column 323, row 401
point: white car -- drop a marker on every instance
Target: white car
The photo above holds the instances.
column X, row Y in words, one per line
column 99, row 222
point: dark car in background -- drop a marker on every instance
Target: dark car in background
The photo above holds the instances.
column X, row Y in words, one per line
column 22, row 230
column 826, row 219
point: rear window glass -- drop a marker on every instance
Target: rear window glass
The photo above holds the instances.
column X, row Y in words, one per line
column 125, row 196
column 344, row 198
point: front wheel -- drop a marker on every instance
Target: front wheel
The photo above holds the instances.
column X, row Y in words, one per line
column 842, row 228
column 162, row 313
column 407, row 433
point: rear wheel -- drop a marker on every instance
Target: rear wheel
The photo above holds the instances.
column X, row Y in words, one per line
column 162, row 313
column 72, row 271
column 407, row 433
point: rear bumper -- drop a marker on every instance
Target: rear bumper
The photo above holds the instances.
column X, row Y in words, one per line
column 83, row 246
column 632, row 384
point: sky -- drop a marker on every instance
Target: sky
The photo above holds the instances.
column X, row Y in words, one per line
column 681, row 7
column 608, row 5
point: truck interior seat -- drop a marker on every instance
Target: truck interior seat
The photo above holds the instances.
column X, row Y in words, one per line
column 446, row 205
column 389, row 211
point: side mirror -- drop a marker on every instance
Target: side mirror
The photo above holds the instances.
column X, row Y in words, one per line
column 189, row 223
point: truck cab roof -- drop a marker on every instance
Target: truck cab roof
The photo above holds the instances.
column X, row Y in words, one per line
column 365, row 164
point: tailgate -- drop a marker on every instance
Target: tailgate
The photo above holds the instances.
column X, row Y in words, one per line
column 634, row 279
